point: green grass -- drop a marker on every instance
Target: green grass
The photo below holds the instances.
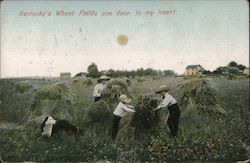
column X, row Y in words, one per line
column 201, row 137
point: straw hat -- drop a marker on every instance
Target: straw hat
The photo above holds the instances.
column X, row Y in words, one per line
column 124, row 98
column 162, row 89
column 104, row 77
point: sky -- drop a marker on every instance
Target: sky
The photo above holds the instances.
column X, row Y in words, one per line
column 210, row 33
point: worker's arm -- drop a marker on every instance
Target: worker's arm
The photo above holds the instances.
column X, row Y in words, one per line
column 130, row 106
column 163, row 104
column 157, row 108
column 128, row 109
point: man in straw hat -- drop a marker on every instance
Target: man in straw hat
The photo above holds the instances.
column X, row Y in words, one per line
column 100, row 87
column 119, row 112
column 170, row 103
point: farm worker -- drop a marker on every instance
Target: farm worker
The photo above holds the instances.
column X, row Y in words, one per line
column 100, row 87
column 170, row 103
column 119, row 112
column 47, row 126
column 50, row 126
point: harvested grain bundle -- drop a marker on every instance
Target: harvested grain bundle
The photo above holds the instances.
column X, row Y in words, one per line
column 23, row 86
column 145, row 118
column 141, row 80
column 97, row 120
column 118, row 82
column 88, row 82
column 197, row 96
column 115, row 88
column 99, row 111
column 82, row 80
column 54, row 100
column 143, row 123
column 51, row 92
column 128, row 81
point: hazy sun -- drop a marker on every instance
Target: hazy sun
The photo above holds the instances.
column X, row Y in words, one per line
column 122, row 40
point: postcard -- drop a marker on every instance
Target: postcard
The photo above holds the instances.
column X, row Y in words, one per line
column 124, row 81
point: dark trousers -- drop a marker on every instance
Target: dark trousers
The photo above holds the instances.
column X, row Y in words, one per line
column 173, row 119
column 115, row 125
column 97, row 99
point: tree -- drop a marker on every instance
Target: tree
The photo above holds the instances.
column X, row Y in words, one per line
column 207, row 72
column 169, row 72
column 93, row 70
column 241, row 67
column 139, row 72
column 233, row 64
column 219, row 70
column 150, row 72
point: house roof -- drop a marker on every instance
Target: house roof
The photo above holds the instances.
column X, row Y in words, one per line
column 81, row 74
column 195, row 66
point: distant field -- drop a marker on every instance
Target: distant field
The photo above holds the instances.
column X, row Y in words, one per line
column 202, row 137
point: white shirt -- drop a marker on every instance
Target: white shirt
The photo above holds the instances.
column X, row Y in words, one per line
column 50, row 120
column 121, row 109
column 98, row 89
column 167, row 101
column 47, row 129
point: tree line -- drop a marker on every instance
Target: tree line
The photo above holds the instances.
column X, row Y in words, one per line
column 94, row 72
column 232, row 67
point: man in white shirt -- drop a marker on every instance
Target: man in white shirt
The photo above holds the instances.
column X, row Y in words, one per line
column 170, row 103
column 119, row 112
column 100, row 87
